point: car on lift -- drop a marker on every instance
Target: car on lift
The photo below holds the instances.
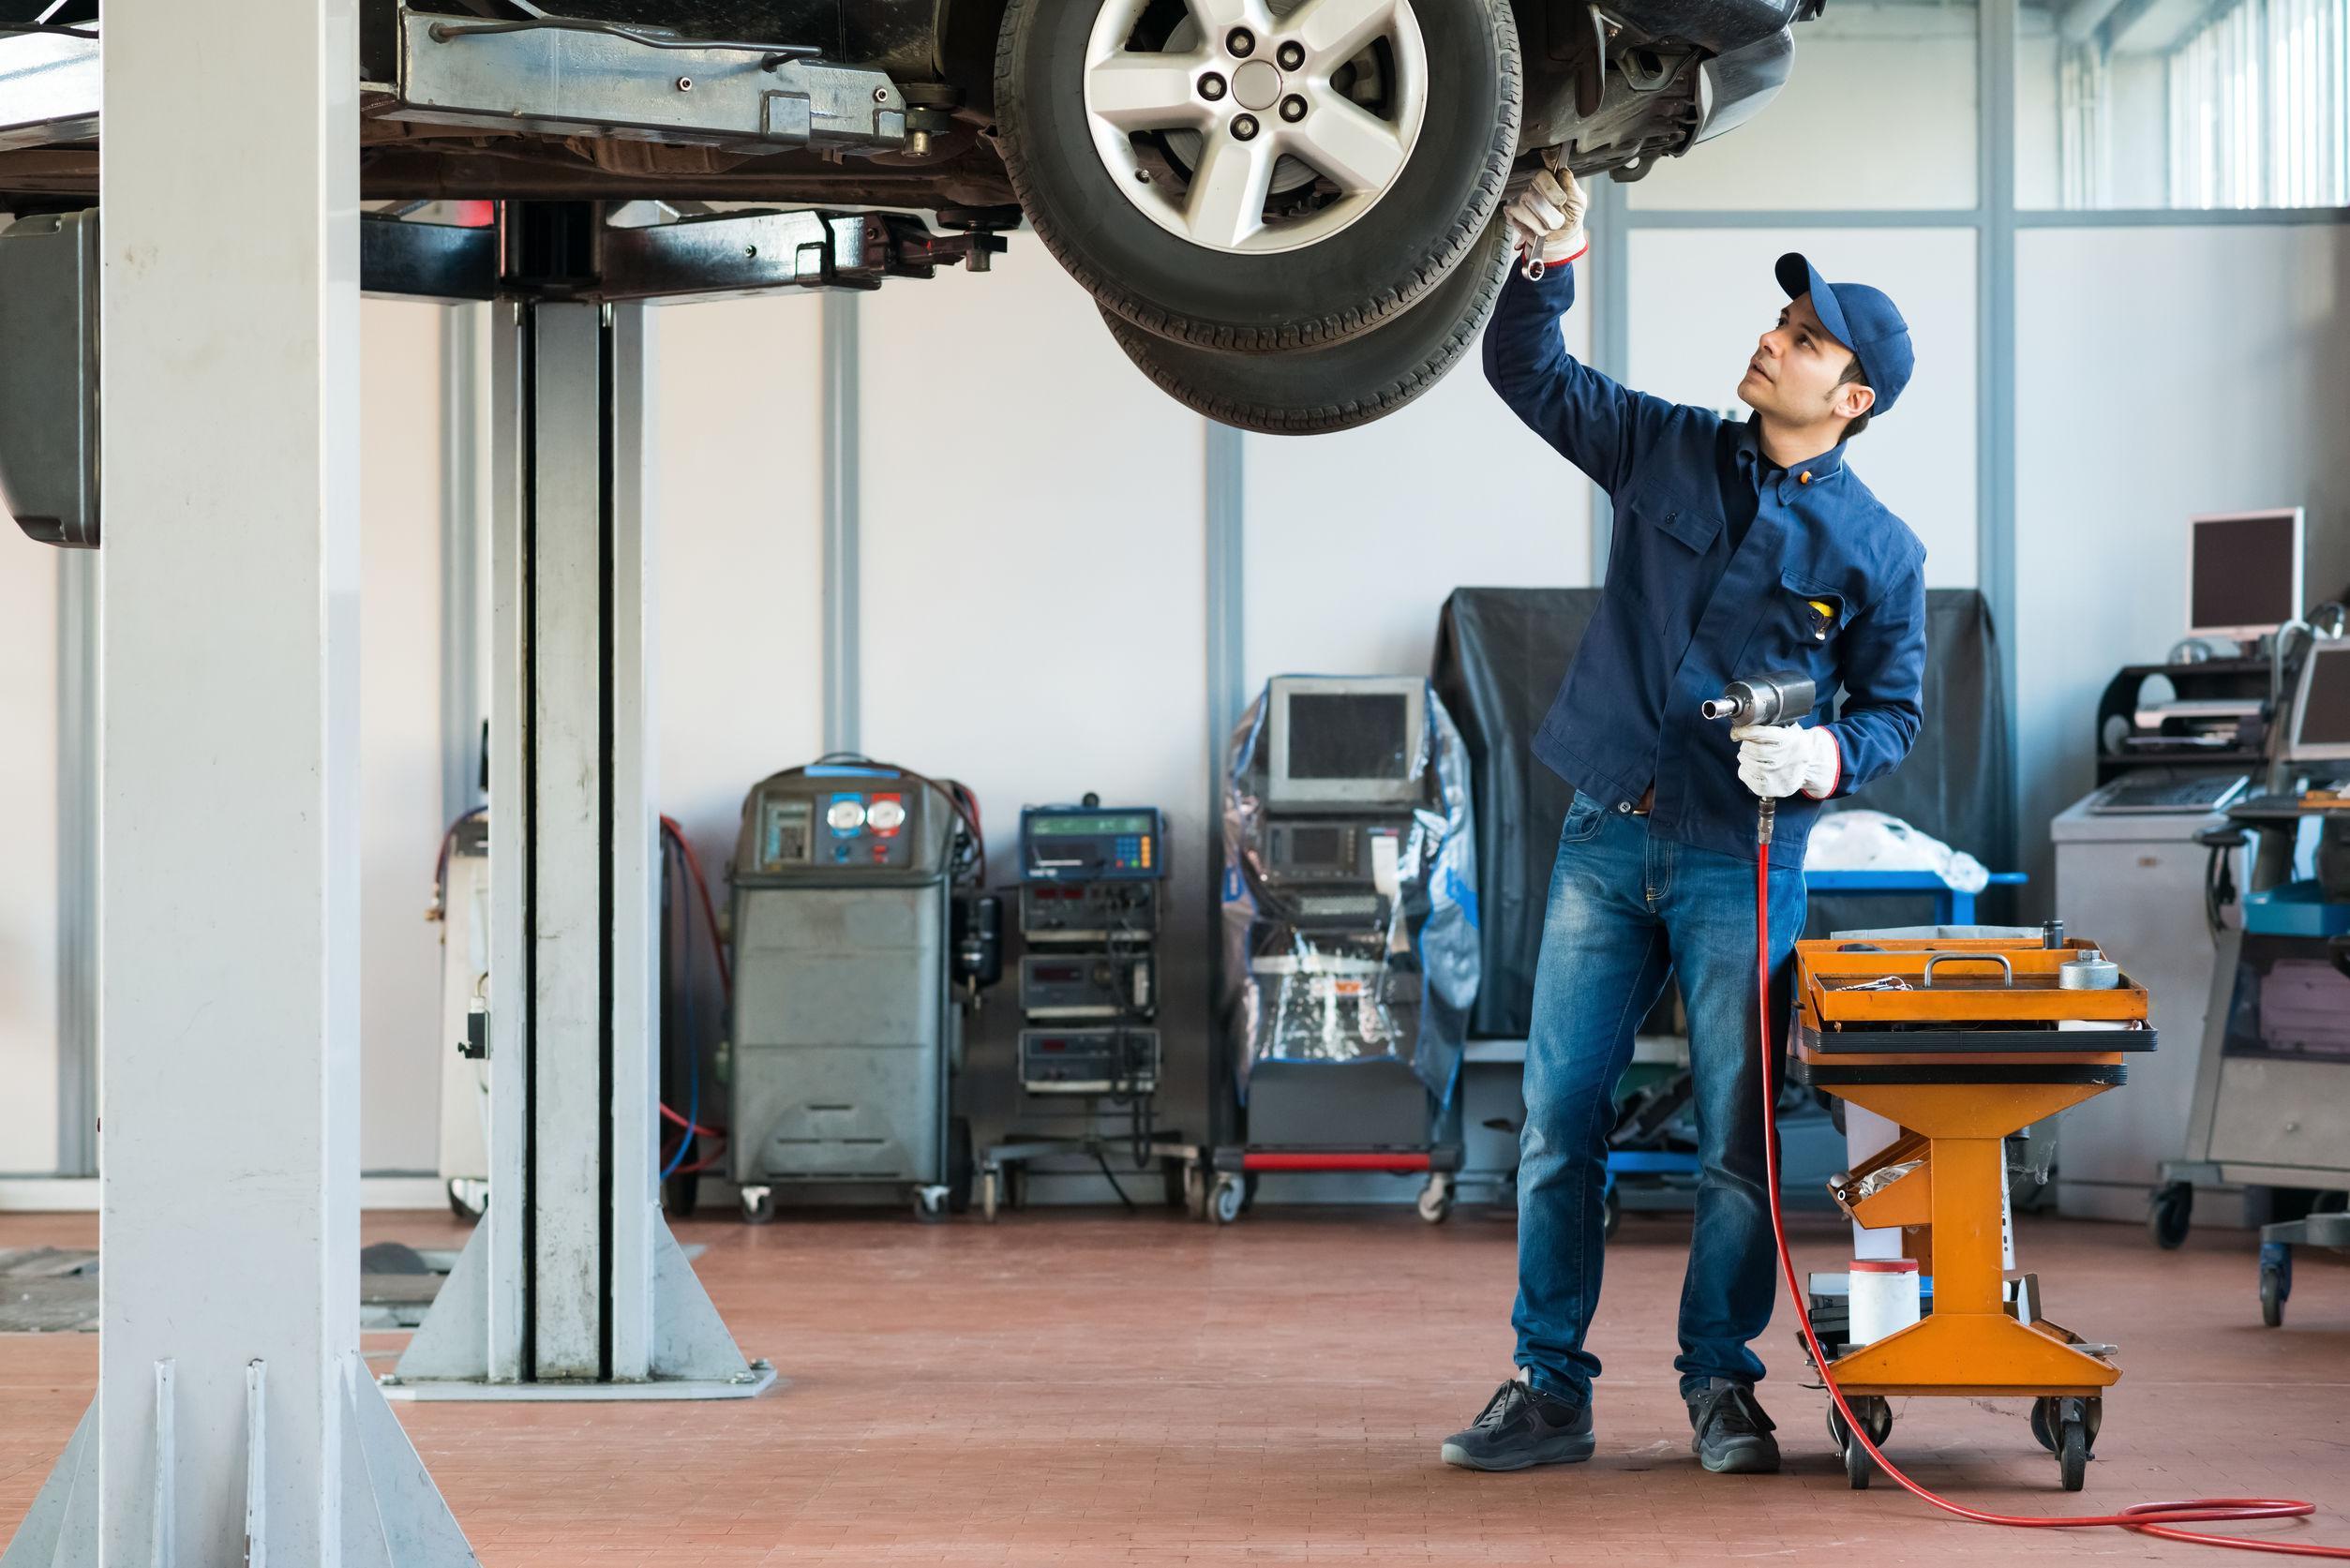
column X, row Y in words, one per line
column 1286, row 209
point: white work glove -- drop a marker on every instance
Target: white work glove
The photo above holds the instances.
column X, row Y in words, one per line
column 1776, row 760
column 1546, row 220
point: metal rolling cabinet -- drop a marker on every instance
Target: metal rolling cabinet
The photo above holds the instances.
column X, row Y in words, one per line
column 2140, row 878
column 845, row 1029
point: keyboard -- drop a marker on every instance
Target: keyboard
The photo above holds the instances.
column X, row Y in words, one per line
column 2164, row 795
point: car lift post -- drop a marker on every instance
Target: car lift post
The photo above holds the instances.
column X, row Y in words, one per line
column 231, row 804
column 234, row 1419
column 572, row 1287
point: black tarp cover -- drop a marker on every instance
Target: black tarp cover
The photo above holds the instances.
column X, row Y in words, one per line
column 1501, row 653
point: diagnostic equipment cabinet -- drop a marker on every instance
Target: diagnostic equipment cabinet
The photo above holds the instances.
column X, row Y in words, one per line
column 846, row 1034
column 1091, row 900
column 2272, row 1088
column 1350, row 953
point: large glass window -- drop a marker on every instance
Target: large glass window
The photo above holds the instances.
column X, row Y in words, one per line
column 1879, row 111
column 2183, row 103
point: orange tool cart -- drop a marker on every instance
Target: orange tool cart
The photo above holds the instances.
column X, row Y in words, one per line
column 1960, row 1043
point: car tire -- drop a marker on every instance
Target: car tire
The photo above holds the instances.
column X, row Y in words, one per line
column 1396, row 242
column 1334, row 386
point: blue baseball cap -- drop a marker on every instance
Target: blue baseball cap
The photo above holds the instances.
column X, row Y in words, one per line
column 1861, row 319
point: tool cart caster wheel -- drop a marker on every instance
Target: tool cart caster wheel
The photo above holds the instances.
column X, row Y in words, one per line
column 2067, row 1428
column 2072, row 1454
column 2173, row 1210
column 1194, row 1189
column 930, row 1204
column 1436, row 1199
column 2272, row 1294
column 1858, row 1466
column 1230, row 1197
column 1877, row 1419
column 1610, row 1214
column 759, row 1205
column 990, row 1192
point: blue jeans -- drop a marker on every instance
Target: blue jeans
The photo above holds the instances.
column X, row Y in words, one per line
column 1626, row 909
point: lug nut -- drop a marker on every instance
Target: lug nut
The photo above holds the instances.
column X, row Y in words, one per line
column 1211, row 86
column 1291, row 55
column 1241, row 42
column 1245, row 127
column 1293, row 109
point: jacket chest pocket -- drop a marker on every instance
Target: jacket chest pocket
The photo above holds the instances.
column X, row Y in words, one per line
column 1802, row 625
column 1661, row 553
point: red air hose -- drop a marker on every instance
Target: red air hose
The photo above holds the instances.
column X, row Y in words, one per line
column 2146, row 1518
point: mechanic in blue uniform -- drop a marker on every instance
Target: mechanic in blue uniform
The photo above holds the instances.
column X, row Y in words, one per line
column 1739, row 548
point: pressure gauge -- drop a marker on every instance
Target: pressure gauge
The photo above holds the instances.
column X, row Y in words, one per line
column 887, row 814
column 847, row 815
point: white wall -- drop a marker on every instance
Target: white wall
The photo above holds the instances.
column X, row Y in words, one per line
column 1879, row 112
column 400, row 733
column 1052, row 479
column 1354, row 538
column 28, row 854
column 1035, row 597
column 2138, row 405
column 737, row 489
column 1701, row 298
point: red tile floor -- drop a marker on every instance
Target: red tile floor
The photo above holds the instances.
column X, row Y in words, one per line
column 1082, row 1388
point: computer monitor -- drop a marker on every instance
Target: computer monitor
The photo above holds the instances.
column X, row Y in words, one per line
column 2243, row 572
column 1344, row 742
column 2320, row 730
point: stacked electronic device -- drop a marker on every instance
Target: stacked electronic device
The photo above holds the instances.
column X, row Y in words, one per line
column 1089, row 904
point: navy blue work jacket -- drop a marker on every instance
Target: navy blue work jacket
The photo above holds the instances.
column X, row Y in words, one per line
column 1824, row 580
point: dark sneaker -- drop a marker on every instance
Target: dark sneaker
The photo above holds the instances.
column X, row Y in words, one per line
column 1730, row 1435
column 1520, row 1427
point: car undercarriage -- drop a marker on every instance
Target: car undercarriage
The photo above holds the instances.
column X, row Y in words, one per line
column 1240, row 177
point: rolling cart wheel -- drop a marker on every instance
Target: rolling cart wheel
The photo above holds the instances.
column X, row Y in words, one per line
column 1194, row 1189
column 1858, row 1466
column 1436, row 1199
column 930, row 1204
column 1877, row 1416
column 1230, row 1197
column 759, row 1205
column 2044, row 1424
column 2173, row 1210
column 2272, row 1297
column 468, row 1200
column 991, row 1183
column 2072, row 1454
column 1610, row 1213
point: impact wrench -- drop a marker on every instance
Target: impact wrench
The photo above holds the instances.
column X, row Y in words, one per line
column 1784, row 698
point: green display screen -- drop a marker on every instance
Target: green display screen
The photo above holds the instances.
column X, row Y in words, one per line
column 1106, row 826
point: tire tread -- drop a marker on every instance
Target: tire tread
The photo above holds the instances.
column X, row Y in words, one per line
column 1372, row 403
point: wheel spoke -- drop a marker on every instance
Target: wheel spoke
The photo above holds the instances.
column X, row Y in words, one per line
column 1335, row 30
column 1357, row 150
column 1145, row 92
column 1218, row 17
column 1228, row 190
